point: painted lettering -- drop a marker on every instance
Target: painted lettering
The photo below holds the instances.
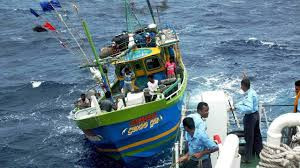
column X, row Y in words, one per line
column 154, row 121
column 137, row 128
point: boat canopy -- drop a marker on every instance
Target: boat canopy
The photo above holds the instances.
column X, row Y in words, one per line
column 139, row 53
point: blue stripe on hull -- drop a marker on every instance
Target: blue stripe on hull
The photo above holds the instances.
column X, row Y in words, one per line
column 118, row 136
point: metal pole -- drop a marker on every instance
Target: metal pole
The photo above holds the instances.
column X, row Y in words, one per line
column 176, row 155
column 89, row 37
column 235, row 119
column 151, row 11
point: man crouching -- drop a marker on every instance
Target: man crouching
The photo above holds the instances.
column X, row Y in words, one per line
column 199, row 146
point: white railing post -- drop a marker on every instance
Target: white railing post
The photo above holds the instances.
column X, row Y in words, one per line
column 263, row 111
column 176, row 155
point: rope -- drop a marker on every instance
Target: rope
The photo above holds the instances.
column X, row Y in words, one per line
column 277, row 157
column 295, row 141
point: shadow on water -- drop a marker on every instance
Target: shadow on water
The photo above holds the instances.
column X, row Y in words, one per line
column 91, row 158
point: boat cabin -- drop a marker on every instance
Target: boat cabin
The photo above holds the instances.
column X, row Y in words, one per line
column 143, row 62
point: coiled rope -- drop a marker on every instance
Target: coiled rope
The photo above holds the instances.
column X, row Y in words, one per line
column 283, row 156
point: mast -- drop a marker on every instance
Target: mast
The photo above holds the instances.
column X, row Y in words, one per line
column 132, row 22
column 151, row 11
column 89, row 37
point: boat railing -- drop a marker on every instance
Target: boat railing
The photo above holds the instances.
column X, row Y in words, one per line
column 172, row 90
column 264, row 110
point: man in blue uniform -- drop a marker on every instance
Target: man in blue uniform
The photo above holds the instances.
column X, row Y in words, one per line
column 200, row 116
column 199, row 146
column 249, row 107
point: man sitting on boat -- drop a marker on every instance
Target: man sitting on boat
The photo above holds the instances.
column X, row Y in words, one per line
column 199, row 146
column 107, row 104
column 153, row 87
column 82, row 102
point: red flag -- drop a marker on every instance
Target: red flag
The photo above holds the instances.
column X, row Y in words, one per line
column 48, row 26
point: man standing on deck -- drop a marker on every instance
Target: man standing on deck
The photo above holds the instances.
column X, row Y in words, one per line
column 153, row 87
column 293, row 130
column 249, row 106
column 297, row 98
column 128, row 78
column 199, row 146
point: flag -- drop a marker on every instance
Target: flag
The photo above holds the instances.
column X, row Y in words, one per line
column 39, row 28
column 48, row 6
column 48, row 26
column 55, row 3
column 34, row 13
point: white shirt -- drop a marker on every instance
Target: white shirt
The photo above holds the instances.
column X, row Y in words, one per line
column 153, row 87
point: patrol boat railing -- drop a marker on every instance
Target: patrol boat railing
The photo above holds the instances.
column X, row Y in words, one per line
column 234, row 158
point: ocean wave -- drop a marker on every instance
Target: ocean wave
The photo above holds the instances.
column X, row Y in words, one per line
column 37, row 98
column 269, row 44
column 59, row 130
column 253, row 41
column 17, row 38
column 36, row 84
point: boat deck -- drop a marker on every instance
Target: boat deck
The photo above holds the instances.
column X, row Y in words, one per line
column 252, row 164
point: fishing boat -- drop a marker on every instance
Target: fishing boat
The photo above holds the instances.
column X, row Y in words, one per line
column 141, row 126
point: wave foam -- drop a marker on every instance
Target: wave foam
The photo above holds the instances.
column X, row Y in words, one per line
column 36, row 84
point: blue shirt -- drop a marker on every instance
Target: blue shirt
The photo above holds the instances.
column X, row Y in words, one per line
column 199, row 123
column 199, row 142
column 250, row 102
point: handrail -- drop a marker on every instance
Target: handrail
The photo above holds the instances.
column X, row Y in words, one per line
column 172, row 86
column 270, row 105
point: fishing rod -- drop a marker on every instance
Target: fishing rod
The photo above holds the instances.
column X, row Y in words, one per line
column 57, row 33
column 77, row 31
column 53, row 31
column 48, row 6
column 235, row 119
column 89, row 37
column 70, row 32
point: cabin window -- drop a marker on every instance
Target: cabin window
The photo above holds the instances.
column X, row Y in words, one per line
column 137, row 66
column 152, row 63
